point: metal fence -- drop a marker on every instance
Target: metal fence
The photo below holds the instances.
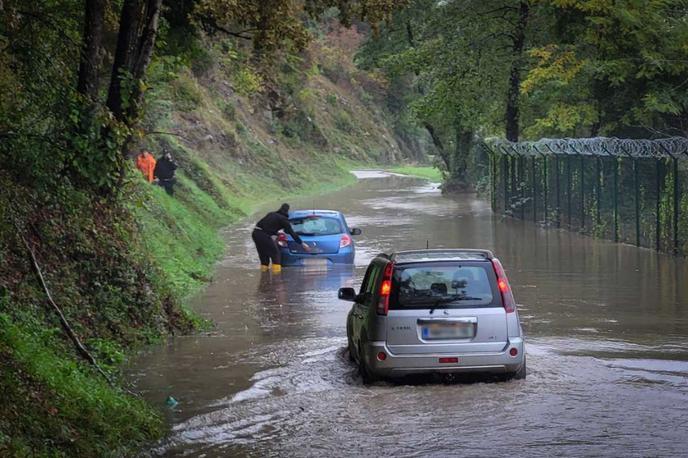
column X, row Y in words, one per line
column 628, row 191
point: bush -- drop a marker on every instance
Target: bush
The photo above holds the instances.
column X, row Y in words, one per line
column 247, row 82
column 187, row 95
column 343, row 121
column 331, row 99
column 229, row 110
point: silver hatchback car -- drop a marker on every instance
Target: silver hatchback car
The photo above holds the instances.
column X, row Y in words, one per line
column 435, row 311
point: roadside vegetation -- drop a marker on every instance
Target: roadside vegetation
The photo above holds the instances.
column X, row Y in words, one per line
column 249, row 117
column 427, row 172
column 521, row 70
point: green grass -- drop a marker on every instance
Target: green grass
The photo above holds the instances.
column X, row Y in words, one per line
column 55, row 406
column 430, row 173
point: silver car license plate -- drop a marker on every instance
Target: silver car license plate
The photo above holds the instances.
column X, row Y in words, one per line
column 447, row 330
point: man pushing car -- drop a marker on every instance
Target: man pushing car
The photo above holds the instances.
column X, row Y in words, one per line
column 263, row 234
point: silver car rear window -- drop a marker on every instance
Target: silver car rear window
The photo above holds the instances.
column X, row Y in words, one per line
column 443, row 285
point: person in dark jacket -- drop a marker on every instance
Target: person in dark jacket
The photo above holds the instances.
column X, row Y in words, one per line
column 263, row 234
column 164, row 172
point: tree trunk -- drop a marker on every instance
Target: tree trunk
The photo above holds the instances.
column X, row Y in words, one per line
column 135, row 44
column 512, row 108
column 89, row 62
column 144, row 53
column 437, row 141
column 409, row 35
column 261, row 37
column 464, row 143
column 121, row 67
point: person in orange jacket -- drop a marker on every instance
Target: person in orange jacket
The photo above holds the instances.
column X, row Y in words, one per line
column 145, row 162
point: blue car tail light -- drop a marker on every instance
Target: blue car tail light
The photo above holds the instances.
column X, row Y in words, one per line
column 345, row 241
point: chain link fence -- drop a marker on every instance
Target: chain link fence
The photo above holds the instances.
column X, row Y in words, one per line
column 630, row 191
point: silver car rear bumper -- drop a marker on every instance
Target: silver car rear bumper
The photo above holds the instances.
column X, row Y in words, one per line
column 424, row 363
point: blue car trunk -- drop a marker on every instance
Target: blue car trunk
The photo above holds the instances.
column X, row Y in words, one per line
column 321, row 244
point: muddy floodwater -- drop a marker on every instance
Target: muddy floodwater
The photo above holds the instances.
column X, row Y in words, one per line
column 606, row 328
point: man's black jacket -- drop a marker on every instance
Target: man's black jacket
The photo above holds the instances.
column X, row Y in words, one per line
column 164, row 169
column 273, row 222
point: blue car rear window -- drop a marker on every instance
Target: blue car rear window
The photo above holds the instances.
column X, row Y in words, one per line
column 316, row 225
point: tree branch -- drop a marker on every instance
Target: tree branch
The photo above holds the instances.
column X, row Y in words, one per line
column 56, row 27
column 208, row 22
column 83, row 352
column 158, row 132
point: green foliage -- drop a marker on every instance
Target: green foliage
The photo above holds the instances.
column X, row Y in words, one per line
column 187, row 95
column 331, row 99
column 55, row 406
column 282, row 25
column 448, row 63
column 344, row 122
column 247, row 82
column 229, row 110
column 588, row 67
column 120, row 256
column 626, row 67
column 307, row 99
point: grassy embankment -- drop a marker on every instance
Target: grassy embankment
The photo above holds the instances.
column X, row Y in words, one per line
column 121, row 270
column 431, row 173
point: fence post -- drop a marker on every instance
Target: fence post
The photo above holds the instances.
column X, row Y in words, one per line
column 616, row 199
column 545, row 177
column 676, row 204
column 569, row 190
column 582, row 191
column 637, row 201
column 505, row 163
column 512, row 192
column 533, row 187
column 598, row 188
column 493, row 178
column 556, row 182
column 658, row 209
column 521, row 184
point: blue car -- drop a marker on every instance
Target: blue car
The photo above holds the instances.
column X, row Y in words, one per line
column 326, row 232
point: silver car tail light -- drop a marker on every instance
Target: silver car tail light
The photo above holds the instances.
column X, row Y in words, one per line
column 504, row 287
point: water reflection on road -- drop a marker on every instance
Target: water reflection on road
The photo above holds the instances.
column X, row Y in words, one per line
column 607, row 359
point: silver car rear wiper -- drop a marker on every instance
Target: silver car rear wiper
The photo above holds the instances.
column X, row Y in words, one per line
column 446, row 300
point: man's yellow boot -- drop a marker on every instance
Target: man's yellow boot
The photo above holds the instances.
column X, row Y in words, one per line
column 276, row 268
column 264, row 268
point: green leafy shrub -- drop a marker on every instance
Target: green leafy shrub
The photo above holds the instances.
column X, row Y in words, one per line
column 247, row 82
column 331, row 99
column 229, row 110
column 343, row 121
column 187, row 94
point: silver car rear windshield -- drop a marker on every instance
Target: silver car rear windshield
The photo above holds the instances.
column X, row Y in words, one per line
column 444, row 285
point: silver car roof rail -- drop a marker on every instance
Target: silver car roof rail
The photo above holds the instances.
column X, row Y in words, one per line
column 440, row 254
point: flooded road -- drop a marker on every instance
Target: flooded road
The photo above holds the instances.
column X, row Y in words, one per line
column 606, row 328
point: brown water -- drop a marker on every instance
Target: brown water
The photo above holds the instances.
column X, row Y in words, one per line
column 606, row 330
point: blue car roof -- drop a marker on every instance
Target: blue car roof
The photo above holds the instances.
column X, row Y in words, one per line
column 301, row 213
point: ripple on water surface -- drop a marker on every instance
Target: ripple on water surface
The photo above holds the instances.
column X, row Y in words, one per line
column 606, row 328
column 316, row 403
